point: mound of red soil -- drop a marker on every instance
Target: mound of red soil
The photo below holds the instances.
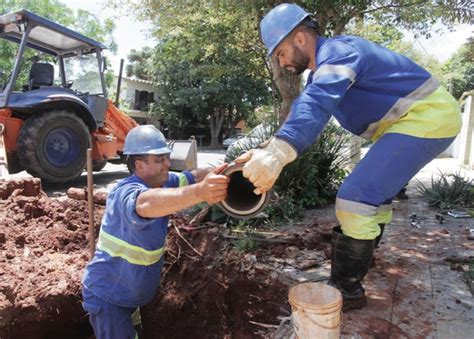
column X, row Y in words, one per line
column 43, row 250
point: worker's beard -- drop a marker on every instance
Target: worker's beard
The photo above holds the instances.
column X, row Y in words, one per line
column 300, row 61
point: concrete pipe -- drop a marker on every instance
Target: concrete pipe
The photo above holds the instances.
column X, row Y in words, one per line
column 241, row 201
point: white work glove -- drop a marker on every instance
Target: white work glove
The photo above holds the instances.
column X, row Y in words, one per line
column 263, row 165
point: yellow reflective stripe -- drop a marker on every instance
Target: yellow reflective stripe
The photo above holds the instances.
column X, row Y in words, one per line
column 436, row 116
column 384, row 214
column 360, row 221
column 400, row 108
column 355, row 207
column 116, row 247
column 336, row 69
column 358, row 226
column 183, row 180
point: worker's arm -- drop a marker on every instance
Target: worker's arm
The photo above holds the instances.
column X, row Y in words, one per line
column 159, row 202
column 309, row 114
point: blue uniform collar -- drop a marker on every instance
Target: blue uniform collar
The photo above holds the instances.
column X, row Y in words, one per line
column 319, row 42
column 136, row 178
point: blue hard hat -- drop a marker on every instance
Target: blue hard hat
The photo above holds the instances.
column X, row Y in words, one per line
column 145, row 139
column 279, row 22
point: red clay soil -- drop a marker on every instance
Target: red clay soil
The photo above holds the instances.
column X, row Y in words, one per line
column 43, row 250
column 211, row 290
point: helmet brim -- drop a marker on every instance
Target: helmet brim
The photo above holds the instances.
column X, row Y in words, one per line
column 156, row 151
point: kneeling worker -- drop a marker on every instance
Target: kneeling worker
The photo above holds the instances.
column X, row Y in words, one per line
column 125, row 271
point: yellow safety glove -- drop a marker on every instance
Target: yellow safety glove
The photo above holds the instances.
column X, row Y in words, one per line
column 263, row 165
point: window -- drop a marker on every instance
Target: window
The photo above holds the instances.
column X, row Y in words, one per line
column 142, row 100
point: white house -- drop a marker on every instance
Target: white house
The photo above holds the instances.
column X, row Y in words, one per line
column 138, row 95
column 463, row 146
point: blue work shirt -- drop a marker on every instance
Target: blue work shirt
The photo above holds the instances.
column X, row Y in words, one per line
column 127, row 264
column 367, row 88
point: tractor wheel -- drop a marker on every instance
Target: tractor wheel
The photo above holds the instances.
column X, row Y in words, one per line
column 98, row 165
column 53, row 146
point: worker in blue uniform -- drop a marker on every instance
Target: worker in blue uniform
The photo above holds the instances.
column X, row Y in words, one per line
column 372, row 92
column 125, row 271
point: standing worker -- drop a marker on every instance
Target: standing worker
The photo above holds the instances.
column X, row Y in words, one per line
column 372, row 92
column 125, row 271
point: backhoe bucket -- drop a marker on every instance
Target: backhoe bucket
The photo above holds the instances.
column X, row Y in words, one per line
column 4, row 174
column 184, row 155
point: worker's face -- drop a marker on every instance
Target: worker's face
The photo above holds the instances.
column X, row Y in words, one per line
column 291, row 57
column 154, row 169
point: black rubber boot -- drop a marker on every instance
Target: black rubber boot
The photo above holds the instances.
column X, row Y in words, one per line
column 377, row 242
column 350, row 262
column 379, row 237
column 402, row 195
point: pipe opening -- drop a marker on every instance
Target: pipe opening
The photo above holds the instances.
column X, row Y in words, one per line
column 241, row 202
column 240, row 194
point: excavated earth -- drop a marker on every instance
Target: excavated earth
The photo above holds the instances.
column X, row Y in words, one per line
column 209, row 289
column 212, row 289
column 43, row 249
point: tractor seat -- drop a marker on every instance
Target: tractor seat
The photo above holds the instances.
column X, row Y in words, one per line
column 40, row 75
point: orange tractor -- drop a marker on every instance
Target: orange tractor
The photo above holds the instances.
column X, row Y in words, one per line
column 48, row 122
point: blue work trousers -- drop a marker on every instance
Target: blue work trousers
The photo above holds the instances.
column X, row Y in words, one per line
column 109, row 321
column 364, row 198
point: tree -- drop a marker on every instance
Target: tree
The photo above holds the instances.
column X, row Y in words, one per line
column 206, row 67
column 459, row 70
column 334, row 18
column 139, row 63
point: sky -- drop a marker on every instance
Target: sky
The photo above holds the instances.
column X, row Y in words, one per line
column 131, row 34
column 442, row 45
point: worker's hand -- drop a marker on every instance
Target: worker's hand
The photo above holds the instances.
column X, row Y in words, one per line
column 200, row 173
column 263, row 165
column 214, row 185
column 244, row 157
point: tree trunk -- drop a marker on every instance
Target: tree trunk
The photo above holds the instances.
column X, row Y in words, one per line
column 216, row 121
column 289, row 86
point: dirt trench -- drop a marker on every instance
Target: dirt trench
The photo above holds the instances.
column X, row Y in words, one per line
column 44, row 248
column 218, row 295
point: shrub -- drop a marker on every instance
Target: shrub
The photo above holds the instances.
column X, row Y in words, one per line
column 253, row 139
column 448, row 191
column 311, row 180
column 284, row 206
column 314, row 177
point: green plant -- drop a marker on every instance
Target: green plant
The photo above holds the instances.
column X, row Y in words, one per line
column 253, row 139
column 284, row 207
column 313, row 178
column 448, row 191
column 246, row 244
